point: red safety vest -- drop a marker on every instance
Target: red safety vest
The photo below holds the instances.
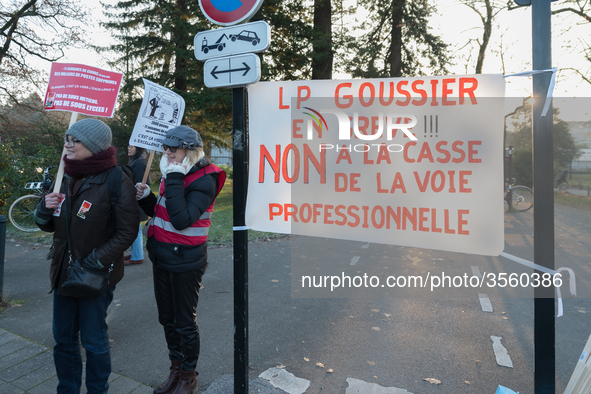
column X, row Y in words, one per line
column 196, row 234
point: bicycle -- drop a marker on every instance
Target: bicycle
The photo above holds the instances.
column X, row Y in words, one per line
column 522, row 197
column 562, row 186
column 21, row 212
column 561, row 183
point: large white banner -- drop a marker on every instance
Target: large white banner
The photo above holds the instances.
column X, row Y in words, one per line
column 406, row 161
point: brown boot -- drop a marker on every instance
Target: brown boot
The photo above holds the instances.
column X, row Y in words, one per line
column 173, row 379
column 188, row 383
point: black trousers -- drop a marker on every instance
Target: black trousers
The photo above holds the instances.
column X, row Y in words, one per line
column 176, row 297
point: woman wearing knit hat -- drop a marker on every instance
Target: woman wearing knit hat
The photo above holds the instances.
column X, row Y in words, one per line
column 89, row 229
column 177, row 246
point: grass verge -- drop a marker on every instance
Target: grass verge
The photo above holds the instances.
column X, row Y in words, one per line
column 220, row 232
column 579, row 202
column 26, row 236
column 5, row 304
column 582, row 181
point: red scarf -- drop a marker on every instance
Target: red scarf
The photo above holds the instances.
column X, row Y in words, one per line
column 92, row 165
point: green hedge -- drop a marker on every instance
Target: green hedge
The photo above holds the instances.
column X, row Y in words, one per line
column 18, row 167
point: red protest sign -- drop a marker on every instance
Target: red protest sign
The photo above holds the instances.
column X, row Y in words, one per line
column 83, row 89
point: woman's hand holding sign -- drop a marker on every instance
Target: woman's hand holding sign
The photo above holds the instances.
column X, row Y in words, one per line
column 142, row 190
column 53, row 200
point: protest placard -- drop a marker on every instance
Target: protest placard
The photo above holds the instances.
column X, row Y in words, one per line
column 161, row 110
column 406, row 161
column 82, row 89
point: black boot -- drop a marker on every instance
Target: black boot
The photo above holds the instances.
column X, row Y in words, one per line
column 173, row 379
column 188, row 382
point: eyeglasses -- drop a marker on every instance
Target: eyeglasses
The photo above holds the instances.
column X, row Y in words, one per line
column 171, row 148
column 71, row 141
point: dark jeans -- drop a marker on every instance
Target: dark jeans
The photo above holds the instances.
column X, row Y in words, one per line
column 81, row 319
column 176, row 297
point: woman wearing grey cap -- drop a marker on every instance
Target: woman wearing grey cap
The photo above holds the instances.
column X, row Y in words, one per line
column 98, row 234
column 177, row 246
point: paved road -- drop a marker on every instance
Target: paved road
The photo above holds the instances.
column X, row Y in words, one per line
column 395, row 341
column 578, row 192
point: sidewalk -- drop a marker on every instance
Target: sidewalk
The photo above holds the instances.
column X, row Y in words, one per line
column 27, row 367
column 577, row 192
column 139, row 355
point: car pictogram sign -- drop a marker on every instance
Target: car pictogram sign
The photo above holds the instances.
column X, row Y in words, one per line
column 251, row 37
column 229, row 12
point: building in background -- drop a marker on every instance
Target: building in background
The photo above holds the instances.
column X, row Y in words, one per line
column 581, row 132
column 221, row 156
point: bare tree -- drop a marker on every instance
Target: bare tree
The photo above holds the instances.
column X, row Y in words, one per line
column 577, row 7
column 487, row 11
column 582, row 9
column 31, row 29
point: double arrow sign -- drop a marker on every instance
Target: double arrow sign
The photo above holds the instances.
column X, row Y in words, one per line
column 232, row 71
column 229, row 54
column 215, row 71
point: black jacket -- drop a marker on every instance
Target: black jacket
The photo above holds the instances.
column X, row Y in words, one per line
column 92, row 229
column 184, row 205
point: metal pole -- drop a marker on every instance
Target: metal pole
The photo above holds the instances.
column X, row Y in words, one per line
column 510, row 188
column 2, row 249
column 543, row 174
column 240, row 159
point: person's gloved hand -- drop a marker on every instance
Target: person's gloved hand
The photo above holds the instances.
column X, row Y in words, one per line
column 142, row 191
column 179, row 168
column 92, row 262
column 167, row 167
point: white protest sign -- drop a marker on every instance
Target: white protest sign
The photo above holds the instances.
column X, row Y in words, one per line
column 416, row 162
column 161, row 110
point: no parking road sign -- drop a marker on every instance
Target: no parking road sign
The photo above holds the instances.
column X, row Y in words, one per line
column 229, row 12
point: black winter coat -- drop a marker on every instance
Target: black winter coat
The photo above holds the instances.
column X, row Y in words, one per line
column 184, row 205
column 93, row 229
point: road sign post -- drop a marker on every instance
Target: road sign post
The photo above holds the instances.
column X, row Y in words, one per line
column 236, row 71
column 240, row 163
column 543, row 174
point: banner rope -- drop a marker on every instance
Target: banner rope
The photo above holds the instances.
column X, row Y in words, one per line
column 571, row 279
column 550, row 87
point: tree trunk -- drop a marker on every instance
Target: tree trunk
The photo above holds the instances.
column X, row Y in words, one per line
column 179, row 39
column 395, row 51
column 485, row 36
column 322, row 55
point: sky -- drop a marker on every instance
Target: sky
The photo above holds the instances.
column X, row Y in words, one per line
column 457, row 24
